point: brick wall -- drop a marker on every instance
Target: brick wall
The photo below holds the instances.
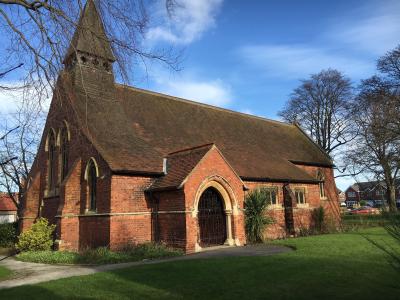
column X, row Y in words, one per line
column 131, row 211
column 302, row 214
column 94, row 231
column 169, row 220
column 213, row 167
column 70, row 196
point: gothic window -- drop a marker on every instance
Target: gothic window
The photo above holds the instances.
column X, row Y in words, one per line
column 51, row 157
column 91, row 172
column 64, row 151
column 321, row 184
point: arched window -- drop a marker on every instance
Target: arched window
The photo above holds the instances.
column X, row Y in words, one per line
column 91, row 176
column 321, row 183
column 64, row 152
column 51, row 157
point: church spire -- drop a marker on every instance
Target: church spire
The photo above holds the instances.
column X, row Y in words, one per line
column 90, row 46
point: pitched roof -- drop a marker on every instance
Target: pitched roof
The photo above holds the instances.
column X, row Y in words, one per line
column 6, row 203
column 366, row 186
column 90, row 36
column 179, row 166
column 133, row 129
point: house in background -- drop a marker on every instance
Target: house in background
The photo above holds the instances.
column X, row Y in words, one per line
column 119, row 165
column 8, row 209
column 372, row 192
column 341, row 197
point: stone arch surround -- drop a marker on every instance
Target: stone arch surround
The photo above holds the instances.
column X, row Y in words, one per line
column 229, row 202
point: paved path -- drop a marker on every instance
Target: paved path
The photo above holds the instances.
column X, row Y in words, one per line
column 32, row 273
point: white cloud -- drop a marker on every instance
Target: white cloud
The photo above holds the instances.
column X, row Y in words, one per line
column 192, row 86
column 13, row 98
column 375, row 33
column 213, row 92
column 10, row 99
column 190, row 19
column 247, row 111
column 344, row 182
column 349, row 44
column 295, row 61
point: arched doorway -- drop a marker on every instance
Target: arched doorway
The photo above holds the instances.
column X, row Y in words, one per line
column 212, row 218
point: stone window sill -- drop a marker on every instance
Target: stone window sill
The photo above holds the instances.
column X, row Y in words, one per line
column 90, row 212
column 275, row 206
column 51, row 194
column 302, row 205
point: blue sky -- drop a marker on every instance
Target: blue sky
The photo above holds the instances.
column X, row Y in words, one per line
column 249, row 55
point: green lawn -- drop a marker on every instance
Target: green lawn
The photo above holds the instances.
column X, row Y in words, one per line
column 4, row 273
column 337, row 266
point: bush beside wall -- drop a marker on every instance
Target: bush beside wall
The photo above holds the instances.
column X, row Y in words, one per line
column 8, row 234
column 38, row 238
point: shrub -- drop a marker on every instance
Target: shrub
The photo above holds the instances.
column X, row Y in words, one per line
column 8, row 234
column 37, row 238
column 305, row 231
column 101, row 255
column 363, row 203
column 255, row 218
column 152, row 250
column 318, row 219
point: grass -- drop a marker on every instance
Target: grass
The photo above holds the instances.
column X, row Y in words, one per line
column 4, row 273
column 363, row 221
column 334, row 266
column 99, row 256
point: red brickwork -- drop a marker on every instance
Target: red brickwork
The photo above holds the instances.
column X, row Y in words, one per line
column 169, row 219
column 302, row 213
column 30, row 203
column 69, row 209
column 213, row 167
column 130, row 221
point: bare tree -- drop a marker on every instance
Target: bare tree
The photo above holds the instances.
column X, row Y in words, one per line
column 18, row 146
column 4, row 73
column 389, row 64
column 376, row 149
column 39, row 33
column 5, row 160
column 320, row 105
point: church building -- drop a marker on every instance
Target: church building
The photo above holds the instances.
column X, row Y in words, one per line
column 120, row 165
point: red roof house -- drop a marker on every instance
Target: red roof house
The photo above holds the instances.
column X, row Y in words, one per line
column 8, row 209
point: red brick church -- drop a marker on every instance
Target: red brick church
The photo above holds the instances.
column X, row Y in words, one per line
column 120, row 165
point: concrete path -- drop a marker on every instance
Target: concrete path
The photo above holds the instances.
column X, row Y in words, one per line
column 32, row 273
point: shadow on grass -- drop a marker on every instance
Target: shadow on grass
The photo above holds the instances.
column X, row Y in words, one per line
column 285, row 276
column 392, row 254
column 323, row 267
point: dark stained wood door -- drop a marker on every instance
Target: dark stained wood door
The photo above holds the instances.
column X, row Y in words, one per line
column 212, row 219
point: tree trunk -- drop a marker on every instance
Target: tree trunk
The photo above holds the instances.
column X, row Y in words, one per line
column 391, row 197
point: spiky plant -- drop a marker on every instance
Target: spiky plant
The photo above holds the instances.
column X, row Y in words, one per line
column 255, row 218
